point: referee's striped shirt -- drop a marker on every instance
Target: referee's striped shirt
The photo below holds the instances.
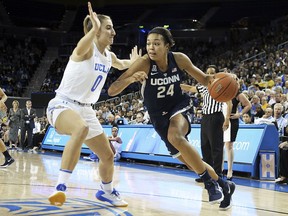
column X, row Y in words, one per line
column 210, row 105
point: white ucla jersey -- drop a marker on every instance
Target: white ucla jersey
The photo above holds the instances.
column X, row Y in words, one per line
column 83, row 81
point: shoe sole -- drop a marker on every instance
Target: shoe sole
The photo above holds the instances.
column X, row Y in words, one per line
column 228, row 207
column 232, row 192
column 217, row 201
column 102, row 200
column 57, row 198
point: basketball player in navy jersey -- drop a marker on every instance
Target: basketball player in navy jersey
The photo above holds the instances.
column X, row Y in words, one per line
column 3, row 114
column 160, row 72
column 71, row 113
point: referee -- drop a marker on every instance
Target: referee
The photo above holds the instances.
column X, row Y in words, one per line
column 212, row 125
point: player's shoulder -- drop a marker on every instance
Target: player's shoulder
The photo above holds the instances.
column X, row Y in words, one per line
column 145, row 58
column 143, row 62
column 181, row 59
column 179, row 55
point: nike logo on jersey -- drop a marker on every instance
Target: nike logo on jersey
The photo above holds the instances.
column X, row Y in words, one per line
column 152, row 74
column 164, row 113
column 101, row 68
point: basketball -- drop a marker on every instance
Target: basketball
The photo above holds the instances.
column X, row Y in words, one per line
column 224, row 87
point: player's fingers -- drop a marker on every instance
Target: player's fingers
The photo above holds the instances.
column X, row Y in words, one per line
column 90, row 8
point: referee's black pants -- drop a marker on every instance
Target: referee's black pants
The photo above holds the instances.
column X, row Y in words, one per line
column 212, row 140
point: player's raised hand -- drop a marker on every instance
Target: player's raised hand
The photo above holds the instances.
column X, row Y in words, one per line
column 135, row 54
column 93, row 17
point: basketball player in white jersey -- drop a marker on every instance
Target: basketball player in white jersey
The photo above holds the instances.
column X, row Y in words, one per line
column 71, row 113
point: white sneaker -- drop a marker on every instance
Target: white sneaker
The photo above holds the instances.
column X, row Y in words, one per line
column 113, row 198
column 59, row 196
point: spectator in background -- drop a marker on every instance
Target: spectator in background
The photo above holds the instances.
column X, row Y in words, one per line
column 120, row 120
column 139, row 118
column 247, row 118
column 271, row 96
column 255, row 102
column 39, row 136
column 14, row 117
column 252, row 87
column 231, row 133
column 285, row 87
column 259, row 113
column 105, row 112
column 37, row 127
column 264, row 103
column 267, row 118
column 27, row 125
column 115, row 142
column 280, row 120
column 242, row 84
column 269, row 82
column 110, row 119
column 278, row 99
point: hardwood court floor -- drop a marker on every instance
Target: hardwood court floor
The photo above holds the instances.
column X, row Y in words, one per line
column 150, row 190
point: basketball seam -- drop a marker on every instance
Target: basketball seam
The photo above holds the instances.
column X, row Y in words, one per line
column 218, row 79
column 224, row 89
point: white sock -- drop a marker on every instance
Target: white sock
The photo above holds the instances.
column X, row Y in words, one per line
column 108, row 187
column 64, row 176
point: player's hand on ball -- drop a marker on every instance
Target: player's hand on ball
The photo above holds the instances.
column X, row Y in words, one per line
column 139, row 76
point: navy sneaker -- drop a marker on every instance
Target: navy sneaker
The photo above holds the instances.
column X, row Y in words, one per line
column 7, row 163
column 214, row 191
column 228, row 191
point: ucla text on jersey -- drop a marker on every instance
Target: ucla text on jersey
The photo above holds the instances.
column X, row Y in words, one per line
column 101, row 68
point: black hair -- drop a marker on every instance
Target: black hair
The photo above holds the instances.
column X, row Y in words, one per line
column 213, row 66
column 166, row 34
column 115, row 125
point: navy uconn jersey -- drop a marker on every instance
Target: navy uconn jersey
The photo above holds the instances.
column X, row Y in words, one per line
column 162, row 90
